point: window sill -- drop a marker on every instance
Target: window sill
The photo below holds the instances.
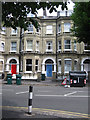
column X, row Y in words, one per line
column 28, row 72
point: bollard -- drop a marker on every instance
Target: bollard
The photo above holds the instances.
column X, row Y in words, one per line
column 30, row 100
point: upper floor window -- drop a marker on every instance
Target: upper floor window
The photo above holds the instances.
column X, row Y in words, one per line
column 49, row 29
column 28, row 64
column 3, row 30
column 67, row 44
column 37, row 45
column 86, row 47
column 29, row 45
column 2, row 46
column 14, row 46
column 49, row 46
column 59, row 45
column 75, row 47
column 67, row 27
column 30, row 28
column 13, row 31
column 67, row 65
column 59, row 28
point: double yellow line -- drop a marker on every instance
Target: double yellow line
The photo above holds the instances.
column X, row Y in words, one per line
column 57, row 112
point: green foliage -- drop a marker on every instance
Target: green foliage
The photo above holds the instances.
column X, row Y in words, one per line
column 14, row 14
column 81, row 18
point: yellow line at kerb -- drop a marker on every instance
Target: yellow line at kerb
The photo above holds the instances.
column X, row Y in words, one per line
column 51, row 110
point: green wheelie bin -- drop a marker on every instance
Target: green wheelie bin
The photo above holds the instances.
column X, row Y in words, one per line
column 18, row 79
column 9, row 78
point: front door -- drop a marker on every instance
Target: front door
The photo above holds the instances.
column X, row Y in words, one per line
column 49, row 70
column 13, row 68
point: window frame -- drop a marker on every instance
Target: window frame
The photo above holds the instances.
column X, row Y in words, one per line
column 49, row 29
column 37, row 45
column 70, row 67
column 59, row 28
column 67, row 45
column 29, row 49
column 13, row 31
column 66, row 27
column 85, row 45
column 29, row 64
column 49, row 50
column 59, row 45
column 2, row 47
column 30, row 28
column 59, row 60
column 13, row 47
column 36, row 65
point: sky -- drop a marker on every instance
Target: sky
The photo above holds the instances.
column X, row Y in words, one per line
column 70, row 7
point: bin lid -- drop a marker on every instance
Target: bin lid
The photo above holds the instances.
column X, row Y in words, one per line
column 18, row 75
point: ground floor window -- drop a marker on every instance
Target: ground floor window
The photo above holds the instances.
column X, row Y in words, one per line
column 28, row 64
column 75, row 65
column 36, row 65
column 59, row 66
column 1, row 65
column 67, row 65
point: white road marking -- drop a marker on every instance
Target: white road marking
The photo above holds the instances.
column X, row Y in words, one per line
column 21, row 92
column 37, row 95
column 0, row 93
column 70, row 93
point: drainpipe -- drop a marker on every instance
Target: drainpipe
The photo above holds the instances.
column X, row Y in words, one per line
column 20, row 50
column 56, row 48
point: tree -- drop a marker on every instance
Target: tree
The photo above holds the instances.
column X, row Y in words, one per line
column 14, row 14
column 81, row 18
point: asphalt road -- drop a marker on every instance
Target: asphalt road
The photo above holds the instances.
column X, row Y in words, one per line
column 56, row 99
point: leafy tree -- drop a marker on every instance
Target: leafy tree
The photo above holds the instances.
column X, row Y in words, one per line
column 14, row 14
column 81, row 18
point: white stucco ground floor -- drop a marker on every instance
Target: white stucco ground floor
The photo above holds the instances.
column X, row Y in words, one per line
column 32, row 66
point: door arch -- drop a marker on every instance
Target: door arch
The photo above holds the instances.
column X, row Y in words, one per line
column 13, row 66
column 49, row 67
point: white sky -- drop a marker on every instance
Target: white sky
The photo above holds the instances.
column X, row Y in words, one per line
column 70, row 7
column 40, row 11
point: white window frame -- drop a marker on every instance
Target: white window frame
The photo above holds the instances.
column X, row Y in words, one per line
column 49, row 29
column 65, row 66
column 75, row 66
column 29, row 49
column 37, row 45
column 14, row 47
column 85, row 45
column 59, row 28
column 2, row 47
column 67, row 45
column 37, row 65
column 67, row 27
column 13, row 31
column 59, row 66
column 28, row 65
column 59, row 45
column 3, row 30
column 75, row 45
column 47, row 45
column 30, row 29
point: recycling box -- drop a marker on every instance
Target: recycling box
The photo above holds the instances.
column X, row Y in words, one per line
column 18, row 79
column 9, row 78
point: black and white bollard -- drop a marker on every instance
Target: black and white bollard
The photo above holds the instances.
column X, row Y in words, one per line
column 30, row 100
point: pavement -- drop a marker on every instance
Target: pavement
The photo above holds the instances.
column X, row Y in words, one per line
column 29, row 82
column 19, row 112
